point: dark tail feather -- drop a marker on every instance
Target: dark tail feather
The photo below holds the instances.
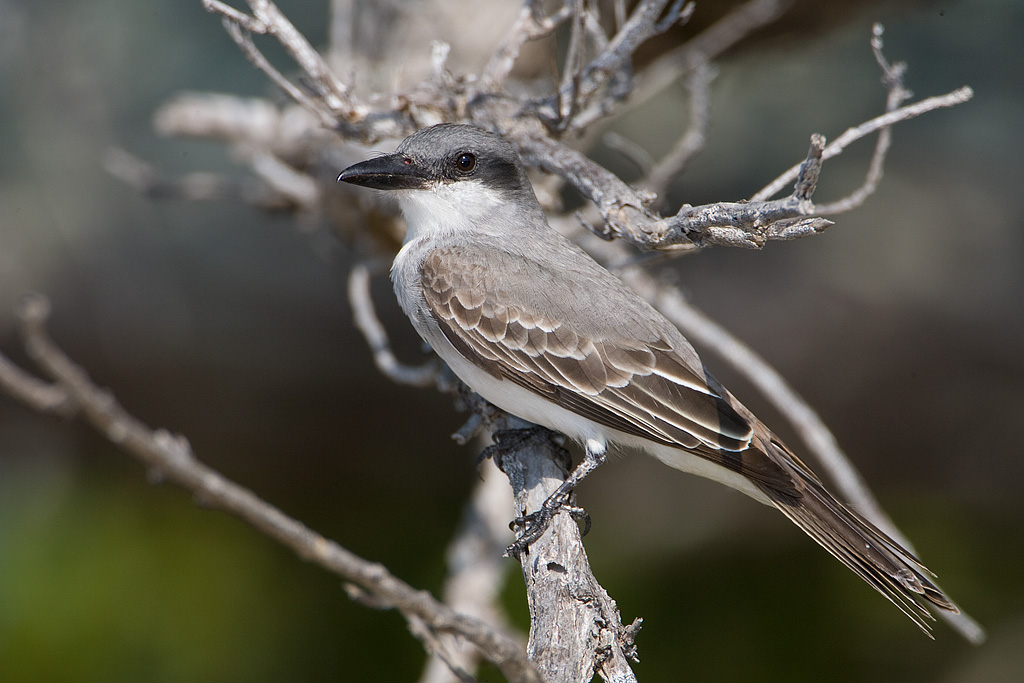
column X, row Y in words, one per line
column 882, row 562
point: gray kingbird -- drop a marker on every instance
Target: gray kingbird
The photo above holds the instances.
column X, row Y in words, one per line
column 534, row 325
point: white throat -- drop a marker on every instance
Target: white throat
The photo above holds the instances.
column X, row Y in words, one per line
column 451, row 208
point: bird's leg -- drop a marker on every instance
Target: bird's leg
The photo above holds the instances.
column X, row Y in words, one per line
column 536, row 523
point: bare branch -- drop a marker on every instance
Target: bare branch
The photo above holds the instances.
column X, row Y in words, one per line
column 171, row 457
column 268, row 19
column 377, row 338
column 739, row 224
column 243, row 39
column 611, row 68
column 749, row 224
column 625, row 210
column 476, row 570
column 575, row 627
column 851, row 135
column 711, row 42
column 33, row 392
column 897, row 94
column 528, row 26
column 698, row 82
column 444, row 666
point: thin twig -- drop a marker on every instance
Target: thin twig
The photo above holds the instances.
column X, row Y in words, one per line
column 698, row 81
column 569, row 87
column 171, row 457
column 268, row 19
column 611, row 66
column 529, row 25
column 851, row 135
column 752, row 224
column 896, row 94
column 708, row 44
column 243, row 38
column 33, row 392
column 377, row 337
column 443, row 665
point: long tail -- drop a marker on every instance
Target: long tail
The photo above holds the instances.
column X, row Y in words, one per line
column 888, row 567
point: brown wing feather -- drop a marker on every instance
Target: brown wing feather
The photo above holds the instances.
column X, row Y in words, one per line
column 637, row 387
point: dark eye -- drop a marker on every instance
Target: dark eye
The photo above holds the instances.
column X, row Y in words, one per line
column 465, row 162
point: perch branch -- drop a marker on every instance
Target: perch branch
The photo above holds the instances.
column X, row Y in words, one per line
column 556, row 581
column 575, row 627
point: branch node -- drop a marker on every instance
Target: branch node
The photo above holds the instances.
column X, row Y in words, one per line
column 627, row 639
column 807, row 179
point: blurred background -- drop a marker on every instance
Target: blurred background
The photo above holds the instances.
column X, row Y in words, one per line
column 903, row 325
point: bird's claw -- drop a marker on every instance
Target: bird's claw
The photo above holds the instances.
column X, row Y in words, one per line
column 532, row 526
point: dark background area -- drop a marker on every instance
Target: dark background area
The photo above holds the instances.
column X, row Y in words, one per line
column 903, row 325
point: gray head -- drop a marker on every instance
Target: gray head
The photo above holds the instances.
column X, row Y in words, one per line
column 446, row 154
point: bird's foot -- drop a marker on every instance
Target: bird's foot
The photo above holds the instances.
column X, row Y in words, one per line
column 532, row 526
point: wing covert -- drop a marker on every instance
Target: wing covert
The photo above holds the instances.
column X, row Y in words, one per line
column 617, row 379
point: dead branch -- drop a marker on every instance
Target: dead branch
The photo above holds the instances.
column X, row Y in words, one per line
column 530, row 25
column 575, row 628
column 610, row 71
column 170, row 458
column 332, row 99
column 377, row 338
column 625, row 211
column 897, row 94
column 698, row 84
column 851, row 135
column 476, row 570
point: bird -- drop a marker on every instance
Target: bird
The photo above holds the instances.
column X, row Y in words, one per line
column 534, row 325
